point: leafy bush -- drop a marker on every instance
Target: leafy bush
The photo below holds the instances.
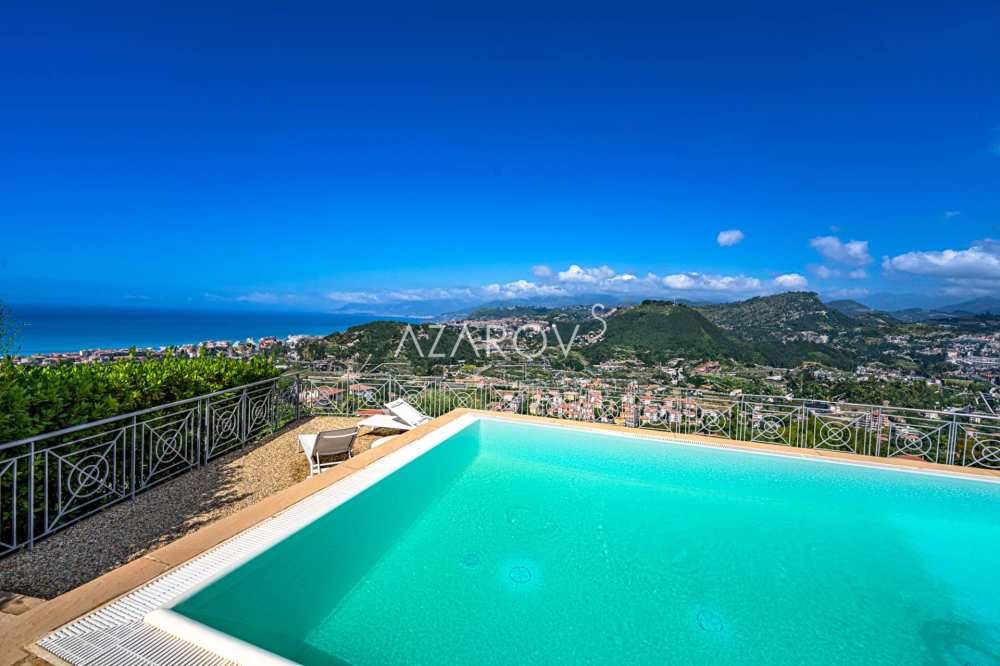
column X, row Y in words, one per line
column 40, row 399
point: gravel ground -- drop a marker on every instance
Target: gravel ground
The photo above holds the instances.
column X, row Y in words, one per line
column 131, row 529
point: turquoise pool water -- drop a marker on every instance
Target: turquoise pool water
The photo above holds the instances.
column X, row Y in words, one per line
column 512, row 543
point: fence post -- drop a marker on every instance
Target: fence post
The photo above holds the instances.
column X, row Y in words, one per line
column 132, row 474
column 738, row 421
column 243, row 417
column 875, row 439
column 206, row 431
column 274, row 405
column 952, row 440
column 298, row 403
column 31, row 499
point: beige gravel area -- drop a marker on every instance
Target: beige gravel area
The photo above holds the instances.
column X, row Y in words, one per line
column 131, row 529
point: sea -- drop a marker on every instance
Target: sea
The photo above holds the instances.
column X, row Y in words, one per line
column 42, row 329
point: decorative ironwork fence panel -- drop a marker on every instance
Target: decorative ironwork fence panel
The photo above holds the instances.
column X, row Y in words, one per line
column 976, row 442
column 51, row 481
column 82, row 476
column 844, row 430
column 54, row 480
column 913, row 437
column 962, row 439
column 165, row 445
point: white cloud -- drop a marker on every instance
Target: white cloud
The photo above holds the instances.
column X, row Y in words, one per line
column 729, row 237
column 949, row 214
column 352, row 297
column 541, row 271
column 401, row 295
column 268, row 298
column 433, row 293
column 711, row 283
column 852, row 253
column 680, row 281
column 854, row 292
column 963, row 273
column 825, row 272
column 791, row 281
column 981, row 260
column 258, row 297
column 586, row 275
column 522, row 289
column 579, row 280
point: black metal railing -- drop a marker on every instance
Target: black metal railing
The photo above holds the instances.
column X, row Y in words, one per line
column 51, row 481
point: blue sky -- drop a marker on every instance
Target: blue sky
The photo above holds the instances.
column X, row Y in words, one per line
column 304, row 155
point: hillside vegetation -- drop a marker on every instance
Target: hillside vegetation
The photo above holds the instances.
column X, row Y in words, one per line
column 377, row 342
column 776, row 330
column 39, row 399
column 660, row 330
column 770, row 318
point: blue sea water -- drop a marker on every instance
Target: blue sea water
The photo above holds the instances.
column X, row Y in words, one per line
column 43, row 329
column 521, row 544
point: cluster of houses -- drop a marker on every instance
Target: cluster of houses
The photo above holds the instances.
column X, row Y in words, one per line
column 650, row 405
column 231, row 349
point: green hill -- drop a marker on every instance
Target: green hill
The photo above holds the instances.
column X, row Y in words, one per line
column 657, row 331
column 848, row 307
column 862, row 314
column 794, row 354
column 376, row 342
column 764, row 330
column 774, row 318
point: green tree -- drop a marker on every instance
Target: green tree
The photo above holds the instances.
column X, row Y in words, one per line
column 7, row 333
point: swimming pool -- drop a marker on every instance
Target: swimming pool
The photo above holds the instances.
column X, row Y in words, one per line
column 505, row 542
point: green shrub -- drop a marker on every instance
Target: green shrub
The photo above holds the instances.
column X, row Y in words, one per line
column 40, row 399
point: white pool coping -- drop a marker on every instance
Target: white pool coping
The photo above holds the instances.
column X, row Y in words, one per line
column 142, row 627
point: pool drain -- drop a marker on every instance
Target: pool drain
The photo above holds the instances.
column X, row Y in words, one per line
column 520, row 574
column 470, row 560
column 709, row 621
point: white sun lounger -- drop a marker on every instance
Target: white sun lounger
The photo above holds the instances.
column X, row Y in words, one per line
column 402, row 416
column 326, row 444
column 407, row 413
column 387, row 421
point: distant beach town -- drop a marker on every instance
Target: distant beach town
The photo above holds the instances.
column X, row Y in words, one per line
column 231, row 349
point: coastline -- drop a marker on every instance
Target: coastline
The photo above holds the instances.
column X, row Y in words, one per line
column 53, row 330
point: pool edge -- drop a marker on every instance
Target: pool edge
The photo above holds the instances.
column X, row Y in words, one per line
column 224, row 645
column 763, row 448
column 23, row 634
column 39, row 622
column 121, row 626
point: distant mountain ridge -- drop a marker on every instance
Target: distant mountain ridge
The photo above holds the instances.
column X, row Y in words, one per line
column 661, row 330
column 863, row 314
column 812, row 312
column 849, row 307
column 782, row 330
column 771, row 318
column 752, row 331
column 981, row 305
